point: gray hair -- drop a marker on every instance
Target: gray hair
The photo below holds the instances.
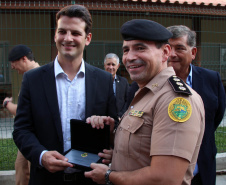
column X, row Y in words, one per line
column 180, row 31
column 111, row 55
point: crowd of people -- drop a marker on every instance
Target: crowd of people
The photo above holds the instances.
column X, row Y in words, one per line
column 161, row 126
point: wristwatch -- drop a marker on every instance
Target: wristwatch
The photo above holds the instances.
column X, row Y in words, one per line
column 5, row 103
column 107, row 181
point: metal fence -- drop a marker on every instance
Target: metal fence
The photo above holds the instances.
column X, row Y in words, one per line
column 33, row 23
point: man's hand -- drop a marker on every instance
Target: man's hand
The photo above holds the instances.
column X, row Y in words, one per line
column 7, row 99
column 99, row 121
column 106, row 155
column 98, row 173
column 54, row 161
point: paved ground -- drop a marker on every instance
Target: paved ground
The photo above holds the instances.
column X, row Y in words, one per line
column 8, row 178
column 221, row 180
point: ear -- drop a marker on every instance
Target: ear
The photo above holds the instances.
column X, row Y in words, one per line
column 118, row 65
column 166, row 52
column 193, row 52
column 24, row 58
column 88, row 39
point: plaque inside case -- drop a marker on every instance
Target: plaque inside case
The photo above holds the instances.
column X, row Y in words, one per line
column 86, row 143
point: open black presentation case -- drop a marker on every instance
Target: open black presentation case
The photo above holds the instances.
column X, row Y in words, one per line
column 86, row 143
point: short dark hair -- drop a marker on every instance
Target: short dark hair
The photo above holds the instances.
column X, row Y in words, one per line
column 159, row 44
column 30, row 56
column 77, row 11
column 180, row 31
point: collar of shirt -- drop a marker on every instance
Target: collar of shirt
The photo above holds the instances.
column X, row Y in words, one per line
column 159, row 80
column 58, row 69
column 189, row 78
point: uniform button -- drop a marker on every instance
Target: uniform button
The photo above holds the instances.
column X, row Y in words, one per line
column 131, row 107
column 120, row 129
column 128, row 126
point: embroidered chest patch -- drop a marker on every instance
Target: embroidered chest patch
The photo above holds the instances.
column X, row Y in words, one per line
column 136, row 113
column 179, row 109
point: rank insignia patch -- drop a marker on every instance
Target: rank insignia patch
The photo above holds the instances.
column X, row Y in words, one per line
column 136, row 113
column 84, row 155
column 179, row 109
column 178, row 85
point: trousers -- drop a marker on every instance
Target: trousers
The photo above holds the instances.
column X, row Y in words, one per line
column 22, row 167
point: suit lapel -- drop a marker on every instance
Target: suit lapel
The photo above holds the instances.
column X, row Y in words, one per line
column 117, row 83
column 197, row 81
column 90, row 80
column 49, row 82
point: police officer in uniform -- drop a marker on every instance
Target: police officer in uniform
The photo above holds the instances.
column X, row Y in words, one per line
column 159, row 136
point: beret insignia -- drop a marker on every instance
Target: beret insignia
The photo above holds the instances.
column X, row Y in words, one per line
column 178, row 85
column 179, row 109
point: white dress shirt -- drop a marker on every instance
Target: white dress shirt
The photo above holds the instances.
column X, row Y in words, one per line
column 71, row 100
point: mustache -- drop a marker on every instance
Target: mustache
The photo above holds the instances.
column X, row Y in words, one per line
column 135, row 63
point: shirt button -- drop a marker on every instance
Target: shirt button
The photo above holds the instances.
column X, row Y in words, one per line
column 69, row 139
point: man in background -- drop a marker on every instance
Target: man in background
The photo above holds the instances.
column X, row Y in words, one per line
column 120, row 84
column 22, row 60
column 208, row 85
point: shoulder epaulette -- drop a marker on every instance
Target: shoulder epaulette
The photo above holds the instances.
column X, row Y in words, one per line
column 178, row 85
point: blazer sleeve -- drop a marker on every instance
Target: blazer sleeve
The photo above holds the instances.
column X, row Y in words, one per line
column 221, row 103
column 24, row 131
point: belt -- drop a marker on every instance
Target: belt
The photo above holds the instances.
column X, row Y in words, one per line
column 77, row 177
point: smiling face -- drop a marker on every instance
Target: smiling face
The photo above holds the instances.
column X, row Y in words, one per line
column 70, row 38
column 181, row 55
column 143, row 60
column 111, row 66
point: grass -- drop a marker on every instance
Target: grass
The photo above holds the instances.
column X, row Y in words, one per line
column 220, row 139
column 8, row 149
column 8, row 153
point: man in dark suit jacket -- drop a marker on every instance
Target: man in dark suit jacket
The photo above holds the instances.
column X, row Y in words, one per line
column 208, row 85
column 131, row 93
column 120, row 84
column 51, row 95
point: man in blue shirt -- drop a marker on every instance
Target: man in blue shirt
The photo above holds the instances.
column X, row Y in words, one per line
column 208, row 85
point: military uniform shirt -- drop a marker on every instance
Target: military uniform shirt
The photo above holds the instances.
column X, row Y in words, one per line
column 152, row 132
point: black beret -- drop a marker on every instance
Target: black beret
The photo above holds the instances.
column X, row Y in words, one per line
column 143, row 29
column 18, row 52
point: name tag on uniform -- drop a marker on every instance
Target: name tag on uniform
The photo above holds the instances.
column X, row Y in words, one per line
column 136, row 113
